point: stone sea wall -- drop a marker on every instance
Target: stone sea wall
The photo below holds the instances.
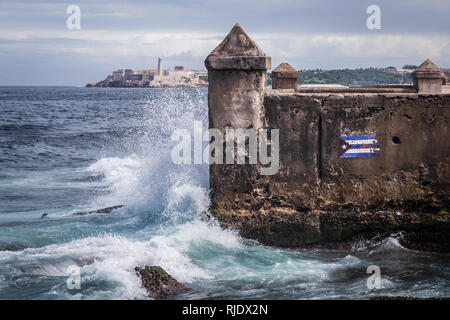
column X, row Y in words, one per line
column 321, row 197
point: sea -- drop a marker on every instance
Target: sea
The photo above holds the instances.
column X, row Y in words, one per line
column 65, row 150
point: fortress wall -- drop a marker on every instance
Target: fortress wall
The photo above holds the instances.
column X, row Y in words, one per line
column 297, row 117
column 320, row 197
column 313, row 176
column 413, row 168
column 413, row 163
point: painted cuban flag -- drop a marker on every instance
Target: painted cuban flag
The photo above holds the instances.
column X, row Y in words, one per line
column 357, row 146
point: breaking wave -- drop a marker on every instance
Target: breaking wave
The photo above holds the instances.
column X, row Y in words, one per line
column 379, row 244
column 163, row 218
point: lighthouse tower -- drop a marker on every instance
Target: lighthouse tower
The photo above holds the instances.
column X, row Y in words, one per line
column 159, row 67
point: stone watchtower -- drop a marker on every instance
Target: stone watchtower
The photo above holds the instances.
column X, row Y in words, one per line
column 237, row 71
column 237, row 81
column 284, row 77
column 428, row 78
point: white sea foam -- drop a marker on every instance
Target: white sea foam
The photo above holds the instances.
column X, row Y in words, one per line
column 379, row 244
column 117, row 169
column 106, row 258
column 121, row 176
column 113, row 258
column 178, row 193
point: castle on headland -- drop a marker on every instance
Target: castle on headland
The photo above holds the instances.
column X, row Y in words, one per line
column 178, row 77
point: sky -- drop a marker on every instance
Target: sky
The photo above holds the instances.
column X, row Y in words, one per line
column 37, row 48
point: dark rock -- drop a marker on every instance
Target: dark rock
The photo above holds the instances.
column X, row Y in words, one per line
column 158, row 283
column 339, row 227
column 12, row 247
column 104, row 210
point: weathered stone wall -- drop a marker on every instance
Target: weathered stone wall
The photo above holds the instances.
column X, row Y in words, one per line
column 412, row 132
column 413, row 161
column 240, row 109
column 318, row 198
column 412, row 164
column 297, row 117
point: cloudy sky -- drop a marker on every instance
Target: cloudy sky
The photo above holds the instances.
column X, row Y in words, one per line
column 36, row 48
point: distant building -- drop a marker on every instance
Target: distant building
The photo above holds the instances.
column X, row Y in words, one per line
column 136, row 77
column 404, row 71
column 160, row 67
column 117, row 75
column 148, row 73
column 178, row 77
column 391, row 69
column 127, row 74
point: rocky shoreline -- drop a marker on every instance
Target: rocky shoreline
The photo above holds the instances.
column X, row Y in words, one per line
column 118, row 84
column 339, row 227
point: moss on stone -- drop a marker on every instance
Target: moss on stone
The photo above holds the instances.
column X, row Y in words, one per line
column 220, row 216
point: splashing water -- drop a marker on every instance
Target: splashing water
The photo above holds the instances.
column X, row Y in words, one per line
column 65, row 150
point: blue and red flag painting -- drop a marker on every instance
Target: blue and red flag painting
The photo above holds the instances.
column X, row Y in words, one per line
column 358, row 146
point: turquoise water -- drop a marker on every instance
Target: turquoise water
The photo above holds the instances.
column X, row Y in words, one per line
column 66, row 150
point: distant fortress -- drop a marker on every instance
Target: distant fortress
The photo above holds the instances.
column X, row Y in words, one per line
column 178, row 77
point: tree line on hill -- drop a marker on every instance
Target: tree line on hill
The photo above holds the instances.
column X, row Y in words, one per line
column 351, row 77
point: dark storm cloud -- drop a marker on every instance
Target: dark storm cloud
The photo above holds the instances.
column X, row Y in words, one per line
column 130, row 33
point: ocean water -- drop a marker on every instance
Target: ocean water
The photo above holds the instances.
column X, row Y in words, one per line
column 66, row 150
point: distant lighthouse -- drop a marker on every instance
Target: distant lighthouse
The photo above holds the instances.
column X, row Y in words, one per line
column 159, row 67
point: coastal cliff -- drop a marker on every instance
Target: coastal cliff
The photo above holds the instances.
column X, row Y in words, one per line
column 353, row 163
